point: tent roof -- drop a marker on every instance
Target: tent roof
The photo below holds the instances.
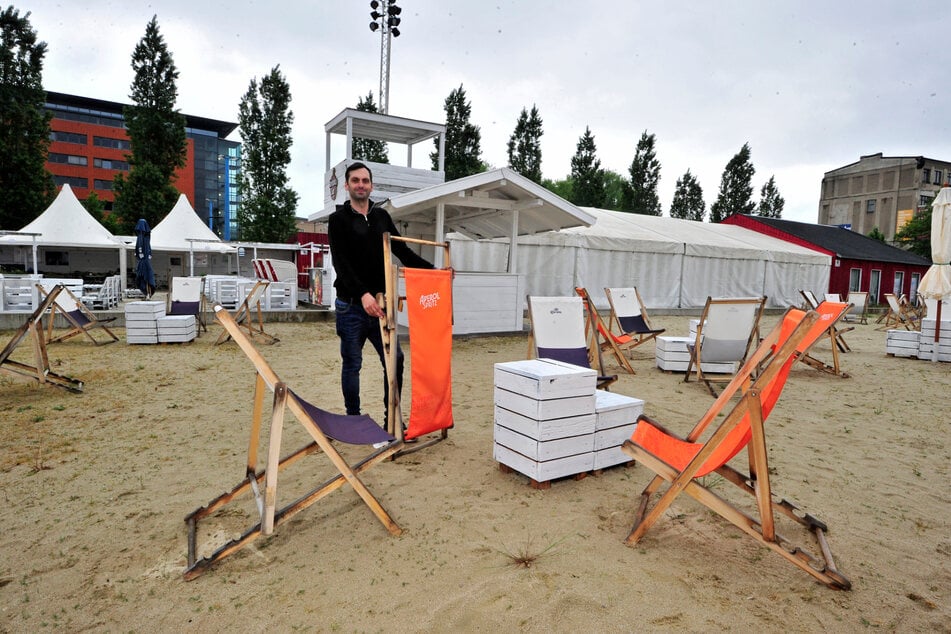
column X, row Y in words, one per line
column 66, row 223
column 182, row 226
column 482, row 206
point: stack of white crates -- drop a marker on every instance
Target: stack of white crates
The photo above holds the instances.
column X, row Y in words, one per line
column 902, row 343
column 926, row 341
column 551, row 422
column 176, row 328
column 671, row 355
column 141, row 321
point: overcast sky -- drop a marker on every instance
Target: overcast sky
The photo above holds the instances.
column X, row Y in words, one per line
column 811, row 85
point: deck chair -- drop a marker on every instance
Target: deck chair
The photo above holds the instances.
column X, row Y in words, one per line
column 682, row 462
column 428, row 305
column 727, row 329
column 812, row 303
column 39, row 370
column 246, row 313
column 594, row 326
column 186, row 297
column 830, row 313
column 80, row 320
column 859, row 310
column 557, row 332
column 899, row 315
column 322, row 427
column 629, row 316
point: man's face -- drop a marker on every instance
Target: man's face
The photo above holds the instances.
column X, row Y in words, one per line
column 359, row 185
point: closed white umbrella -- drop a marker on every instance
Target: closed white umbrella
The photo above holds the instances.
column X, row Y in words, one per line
column 936, row 283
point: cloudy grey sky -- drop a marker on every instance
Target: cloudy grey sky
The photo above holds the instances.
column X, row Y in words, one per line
column 811, row 85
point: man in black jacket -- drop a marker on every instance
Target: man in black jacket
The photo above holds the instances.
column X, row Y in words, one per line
column 356, row 231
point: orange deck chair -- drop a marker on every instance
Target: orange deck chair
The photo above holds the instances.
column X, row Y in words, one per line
column 681, row 461
column 607, row 340
column 831, row 314
column 427, row 299
column 322, row 427
column 39, row 370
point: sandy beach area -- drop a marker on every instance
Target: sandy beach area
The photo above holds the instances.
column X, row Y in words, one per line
column 95, row 487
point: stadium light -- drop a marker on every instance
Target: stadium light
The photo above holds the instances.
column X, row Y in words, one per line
column 385, row 19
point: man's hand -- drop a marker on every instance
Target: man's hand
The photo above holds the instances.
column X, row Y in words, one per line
column 371, row 306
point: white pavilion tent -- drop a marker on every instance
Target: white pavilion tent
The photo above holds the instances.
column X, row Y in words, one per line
column 181, row 242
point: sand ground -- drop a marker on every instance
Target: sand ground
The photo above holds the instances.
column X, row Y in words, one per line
column 95, row 487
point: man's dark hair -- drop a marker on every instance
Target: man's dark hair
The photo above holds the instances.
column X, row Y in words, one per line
column 356, row 165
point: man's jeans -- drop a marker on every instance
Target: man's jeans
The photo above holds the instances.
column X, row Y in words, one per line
column 354, row 327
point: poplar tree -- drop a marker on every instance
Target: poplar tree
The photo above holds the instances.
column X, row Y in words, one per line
column 463, row 139
column 736, row 187
column 157, row 133
column 771, row 204
column 586, row 174
column 26, row 188
column 641, row 191
column 268, row 204
column 688, row 201
column 370, row 149
column 524, row 149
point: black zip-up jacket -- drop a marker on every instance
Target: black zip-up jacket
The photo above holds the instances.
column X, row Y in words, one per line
column 356, row 246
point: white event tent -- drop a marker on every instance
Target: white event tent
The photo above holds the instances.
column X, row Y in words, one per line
column 182, row 233
column 674, row 263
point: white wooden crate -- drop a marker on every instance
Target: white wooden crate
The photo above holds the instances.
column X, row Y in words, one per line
column 545, row 470
column 176, row 328
column 902, row 343
column 545, row 430
column 671, row 354
column 144, row 310
column 543, row 450
column 544, row 410
column 616, row 419
column 545, row 379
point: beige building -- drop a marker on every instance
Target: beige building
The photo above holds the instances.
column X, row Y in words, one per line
column 880, row 191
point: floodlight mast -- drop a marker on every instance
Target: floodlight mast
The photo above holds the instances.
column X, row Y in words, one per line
column 385, row 15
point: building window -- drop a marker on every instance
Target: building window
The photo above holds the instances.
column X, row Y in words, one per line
column 899, row 284
column 855, row 280
column 119, row 144
column 924, row 201
column 937, row 177
column 67, row 159
column 111, row 164
column 72, row 181
column 102, row 184
column 926, row 175
column 68, row 137
column 870, row 206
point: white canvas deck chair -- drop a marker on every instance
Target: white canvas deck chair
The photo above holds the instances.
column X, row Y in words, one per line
column 186, row 296
column 428, row 305
column 629, row 317
column 39, row 369
column 812, row 303
column 900, row 314
column 721, row 434
column 557, row 332
column 595, row 327
column 830, row 313
column 249, row 316
column 859, row 311
column 80, row 319
column 728, row 327
column 322, row 427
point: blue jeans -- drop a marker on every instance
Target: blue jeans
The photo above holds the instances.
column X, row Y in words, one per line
column 354, row 327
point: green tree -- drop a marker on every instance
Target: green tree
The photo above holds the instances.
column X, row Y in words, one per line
column 614, row 186
column 688, row 201
column 736, row 187
column 640, row 194
column 98, row 211
column 525, row 149
column 26, row 188
column 586, row 173
column 157, row 132
column 876, row 234
column 771, row 204
column 561, row 187
column 915, row 235
column 370, row 149
column 463, row 139
column 268, row 205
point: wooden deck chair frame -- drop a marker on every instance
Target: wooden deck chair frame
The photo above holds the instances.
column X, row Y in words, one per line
column 696, row 360
column 40, row 370
column 618, row 298
column 606, row 340
column 81, row 320
column 188, row 306
column 748, row 410
column 899, row 314
column 270, row 516
column 832, row 313
column 594, row 358
column 859, row 311
column 391, row 302
column 249, row 315
column 812, row 303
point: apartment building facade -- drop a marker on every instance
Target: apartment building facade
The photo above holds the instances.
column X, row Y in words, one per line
column 89, row 146
column 880, row 191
